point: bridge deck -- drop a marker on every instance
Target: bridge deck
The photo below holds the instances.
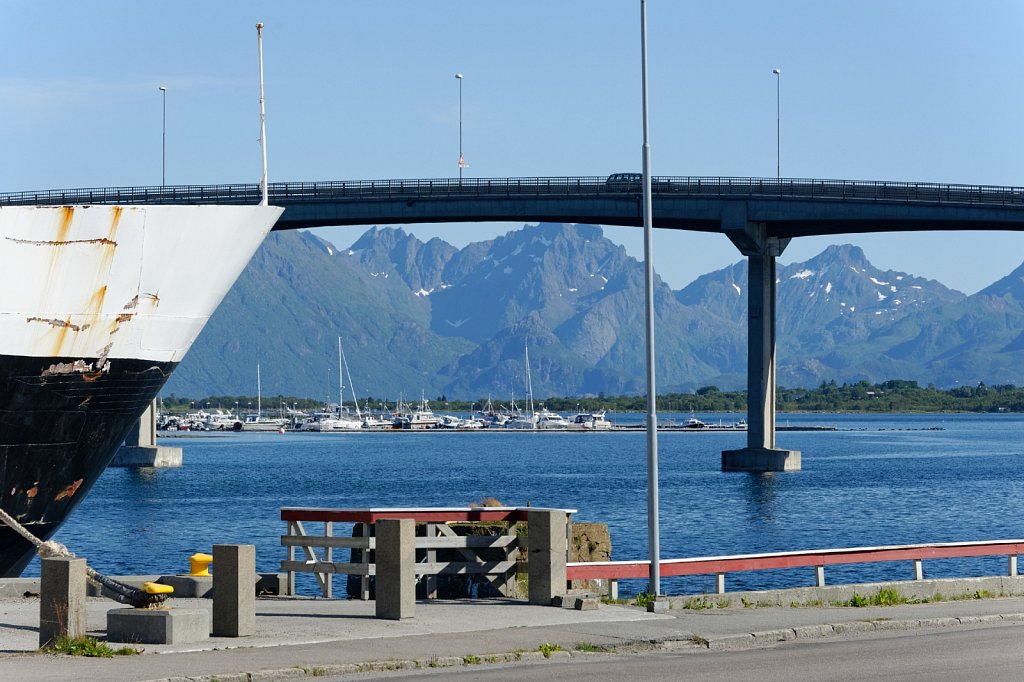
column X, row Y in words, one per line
column 787, row 207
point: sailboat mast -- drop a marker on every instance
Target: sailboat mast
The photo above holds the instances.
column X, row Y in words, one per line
column 529, row 382
column 351, row 388
column 341, row 381
column 259, row 393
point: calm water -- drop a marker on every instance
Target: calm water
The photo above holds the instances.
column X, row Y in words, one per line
column 878, row 481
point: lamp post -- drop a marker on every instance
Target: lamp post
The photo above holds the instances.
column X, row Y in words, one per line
column 163, row 165
column 653, row 522
column 462, row 161
column 778, row 124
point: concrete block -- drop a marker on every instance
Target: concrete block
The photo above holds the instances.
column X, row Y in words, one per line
column 19, row 587
column 548, row 549
column 234, row 590
column 659, row 605
column 273, row 584
column 157, row 626
column 396, row 559
column 586, row 604
column 61, row 599
column 189, row 586
column 760, row 459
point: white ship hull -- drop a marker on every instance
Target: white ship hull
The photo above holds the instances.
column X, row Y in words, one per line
column 98, row 304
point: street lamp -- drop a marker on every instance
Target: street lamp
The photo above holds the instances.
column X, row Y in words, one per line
column 462, row 161
column 653, row 522
column 163, row 176
column 778, row 124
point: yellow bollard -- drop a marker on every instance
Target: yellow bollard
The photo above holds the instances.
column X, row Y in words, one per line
column 199, row 564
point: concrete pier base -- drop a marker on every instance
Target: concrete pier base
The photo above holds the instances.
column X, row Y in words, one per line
column 61, row 599
column 157, row 626
column 760, row 459
column 140, row 448
column 146, row 456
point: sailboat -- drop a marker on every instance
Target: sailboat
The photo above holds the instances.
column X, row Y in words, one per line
column 524, row 420
column 257, row 422
column 343, row 420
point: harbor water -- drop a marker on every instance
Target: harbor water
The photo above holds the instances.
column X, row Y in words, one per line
column 876, row 480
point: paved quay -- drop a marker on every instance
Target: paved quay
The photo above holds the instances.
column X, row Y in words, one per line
column 298, row 638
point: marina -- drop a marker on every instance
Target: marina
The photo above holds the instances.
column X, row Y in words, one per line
column 877, row 480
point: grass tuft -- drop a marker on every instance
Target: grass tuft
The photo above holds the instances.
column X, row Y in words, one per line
column 90, row 647
column 643, row 599
column 548, row 648
column 590, row 648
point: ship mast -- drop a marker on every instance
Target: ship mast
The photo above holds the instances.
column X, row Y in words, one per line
column 263, row 119
column 529, row 383
column 341, row 382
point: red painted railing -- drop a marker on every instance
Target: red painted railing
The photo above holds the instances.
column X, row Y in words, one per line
column 420, row 514
column 620, row 570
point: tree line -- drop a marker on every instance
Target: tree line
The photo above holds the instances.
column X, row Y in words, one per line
column 897, row 395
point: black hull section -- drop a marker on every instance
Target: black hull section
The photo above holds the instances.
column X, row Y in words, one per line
column 59, row 429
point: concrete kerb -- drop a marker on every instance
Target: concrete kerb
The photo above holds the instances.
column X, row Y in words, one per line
column 695, row 642
column 388, row 665
column 946, row 589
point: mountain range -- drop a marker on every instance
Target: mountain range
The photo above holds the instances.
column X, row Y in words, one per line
column 430, row 319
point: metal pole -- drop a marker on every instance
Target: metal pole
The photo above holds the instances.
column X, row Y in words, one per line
column 653, row 532
column 462, row 161
column 778, row 124
column 263, row 118
column 163, row 165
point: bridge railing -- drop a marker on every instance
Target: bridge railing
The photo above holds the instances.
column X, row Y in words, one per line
column 613, row 571
column 662, row 187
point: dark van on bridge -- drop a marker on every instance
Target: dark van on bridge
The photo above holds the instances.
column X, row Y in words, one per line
column 624, row 179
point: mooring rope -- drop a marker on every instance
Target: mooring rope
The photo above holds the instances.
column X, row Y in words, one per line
column 126, row 594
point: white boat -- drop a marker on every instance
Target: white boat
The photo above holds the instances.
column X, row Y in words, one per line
column 489, row 417
column 257, row 422
column 591, row 421
column 521, row 420
column 524, row 420
column 449, row 421
column 419, row 418
column 549, row 420
column 376, row 422
column 329, row 421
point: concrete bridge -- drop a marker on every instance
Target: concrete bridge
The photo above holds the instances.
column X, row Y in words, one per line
column 759, row 215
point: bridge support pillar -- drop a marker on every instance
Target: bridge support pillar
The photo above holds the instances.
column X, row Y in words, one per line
column 761, row 453
column 140, row 448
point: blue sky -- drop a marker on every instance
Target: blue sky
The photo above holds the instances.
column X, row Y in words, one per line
column 923, row 91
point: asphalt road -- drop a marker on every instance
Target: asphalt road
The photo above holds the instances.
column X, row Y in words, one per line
column 991, row 653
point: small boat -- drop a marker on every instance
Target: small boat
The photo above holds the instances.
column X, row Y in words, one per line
column 521, row 420
column 551, row 420
column 255, row 422
column 489, row 417
column 591, row 421
column 419, row 418
column 449, row 421
column 377, row 422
